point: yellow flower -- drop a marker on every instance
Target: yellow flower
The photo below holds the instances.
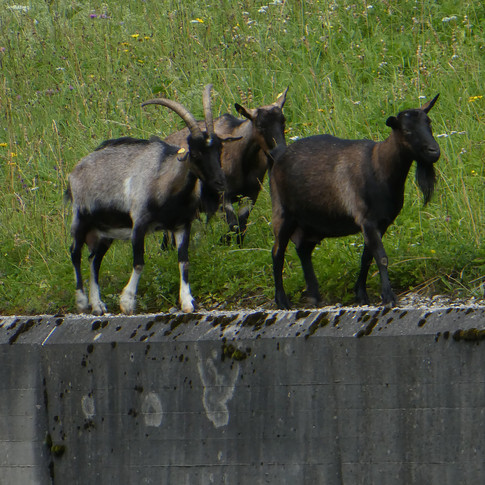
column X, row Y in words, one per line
column 125, row 43
column 433, row 251
column 135, row 36
column 471, row 99
column 3, row 145
column 197, row 21
column 13, row 154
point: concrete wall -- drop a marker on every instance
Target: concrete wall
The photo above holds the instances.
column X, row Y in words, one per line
column 347, row 396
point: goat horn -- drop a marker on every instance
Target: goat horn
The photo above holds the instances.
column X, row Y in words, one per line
column 206, row 101
column 189, row 119
column 429, row 104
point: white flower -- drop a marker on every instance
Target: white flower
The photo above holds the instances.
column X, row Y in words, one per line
column 263, row 9
column 449, row 19
column 446, row 135
column 19, row 8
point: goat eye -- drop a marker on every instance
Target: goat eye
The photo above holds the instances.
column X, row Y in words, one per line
column 407, row 132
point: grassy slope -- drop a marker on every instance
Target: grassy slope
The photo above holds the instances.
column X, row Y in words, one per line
column 74, row 73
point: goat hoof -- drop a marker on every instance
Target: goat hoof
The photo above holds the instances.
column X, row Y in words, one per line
column 389, row 301
column 389, row 304
column 189, row 307
column 283, row 303
column 362, row 298
column 82, row 303
column 312, row 300
column 127, row 303
column 98, row 309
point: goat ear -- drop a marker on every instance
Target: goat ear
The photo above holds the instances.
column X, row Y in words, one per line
column 244, row 112
column 182, row 155
column 392, row 122
column 280, row 100
column 429, row 104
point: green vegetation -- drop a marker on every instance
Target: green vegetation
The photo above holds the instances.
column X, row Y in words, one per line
column 75, row 73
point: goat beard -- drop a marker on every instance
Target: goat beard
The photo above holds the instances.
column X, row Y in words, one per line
column 426, row 179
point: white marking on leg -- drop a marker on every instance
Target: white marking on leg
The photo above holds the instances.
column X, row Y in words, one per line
column 128, row 295
column 97, row 306
column 82, row 302
column 186, row 299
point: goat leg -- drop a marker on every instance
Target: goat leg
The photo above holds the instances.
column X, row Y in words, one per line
column 182, row 238
column 128, row 295
column 242, row 216
column 360, row 286
column 82, row 303
column 232, row 222
column 168, row 241
column 373, row 240
column 278, row 254
column 78, row 230
column 304, row 251
column 97, row 306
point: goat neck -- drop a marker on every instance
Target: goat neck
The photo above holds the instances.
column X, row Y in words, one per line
column 391, row 161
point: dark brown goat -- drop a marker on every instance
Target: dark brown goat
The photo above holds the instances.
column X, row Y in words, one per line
column 244, row 162
column 324, row 186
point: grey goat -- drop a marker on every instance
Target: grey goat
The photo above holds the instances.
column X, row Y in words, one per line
column 244, row 162
column 128, row 187
column 324, row 186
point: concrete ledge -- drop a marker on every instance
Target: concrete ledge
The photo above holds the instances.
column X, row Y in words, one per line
column 334, row 396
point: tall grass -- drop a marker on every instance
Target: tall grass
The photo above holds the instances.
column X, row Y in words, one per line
column 75, row 73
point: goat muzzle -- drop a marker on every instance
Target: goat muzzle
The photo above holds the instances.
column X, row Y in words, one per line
column 432, row 153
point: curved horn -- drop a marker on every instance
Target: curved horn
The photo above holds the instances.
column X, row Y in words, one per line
column 189, row 119
column 206, row 101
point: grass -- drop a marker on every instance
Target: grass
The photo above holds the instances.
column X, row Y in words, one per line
column 75, row 73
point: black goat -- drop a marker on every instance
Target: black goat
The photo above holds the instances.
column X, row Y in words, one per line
column 128, row 187
column 324, row 186
column 244, row 162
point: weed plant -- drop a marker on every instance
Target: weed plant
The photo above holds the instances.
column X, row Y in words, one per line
column 73, row 74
